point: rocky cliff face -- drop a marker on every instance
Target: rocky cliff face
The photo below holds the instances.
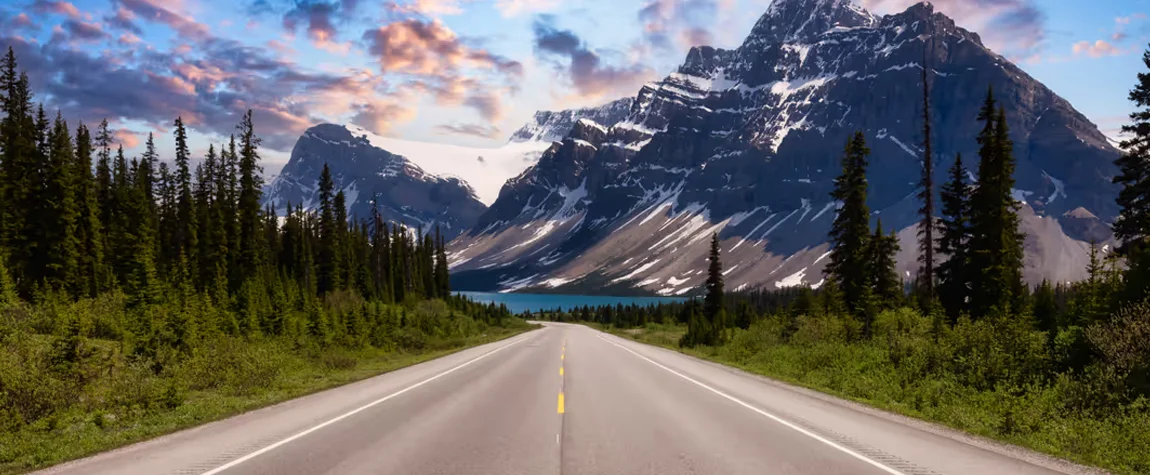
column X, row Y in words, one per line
column 746, row 143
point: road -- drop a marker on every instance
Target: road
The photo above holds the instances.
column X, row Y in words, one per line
column 565, row 399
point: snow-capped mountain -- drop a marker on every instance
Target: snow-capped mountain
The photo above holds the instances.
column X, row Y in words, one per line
column 420, row 182
column 405, row 191
column 746, row 143
column 552, row 126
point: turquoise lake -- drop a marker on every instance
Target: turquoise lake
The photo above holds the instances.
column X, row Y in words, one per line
column 522, row 302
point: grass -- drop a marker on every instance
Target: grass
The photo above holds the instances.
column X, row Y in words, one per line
column 1035, row 416
column 78, row 432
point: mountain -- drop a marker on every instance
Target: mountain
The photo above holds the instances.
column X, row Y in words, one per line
column 420, row 182
column 747, row 142
column 552, row 126
column 406, row 192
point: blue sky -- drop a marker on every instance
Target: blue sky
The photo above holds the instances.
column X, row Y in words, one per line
column 461, row 71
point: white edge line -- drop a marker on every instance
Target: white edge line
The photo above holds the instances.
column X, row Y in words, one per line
column 761, row 412
column 276, row 445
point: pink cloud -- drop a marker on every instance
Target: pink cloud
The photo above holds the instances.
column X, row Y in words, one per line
column 127, row 138
column 57, row 7
column 1096, row 49
column 158, row 11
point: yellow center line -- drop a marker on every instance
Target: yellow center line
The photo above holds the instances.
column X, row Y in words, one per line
column 560, row 371
column 562, row 357
column 560, row 403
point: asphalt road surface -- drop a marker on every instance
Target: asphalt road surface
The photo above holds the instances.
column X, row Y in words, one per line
column 566, row 400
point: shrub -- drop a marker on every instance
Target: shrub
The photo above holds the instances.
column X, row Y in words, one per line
column 1124, row 344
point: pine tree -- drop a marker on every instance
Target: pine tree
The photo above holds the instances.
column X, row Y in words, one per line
column 89, row 232
column 850, row 234
column 330, row 272
column 954, row 237
column 427, row 267
column 1045, row 308
column 342, row 245
column 442, row 277
column 57, row 250
column 926, row 226
column 104, row 178
column 251, row 253
column 20, row 172
column 1132, row 228
column 888, row 288
column 995, row 244
column 186, row 233
column 710, row 327
column 713, row 301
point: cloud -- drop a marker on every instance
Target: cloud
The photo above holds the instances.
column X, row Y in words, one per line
column 84, row 31
column 318, row 19
column 124, row 19
column 45, row 7
column 477, row 130
column 431, row 8
column 1096, row 49
column 1126, row 20
column 510, row 8
column 154, row 11
column 380, row 116
column 585, row 69
column 429, row 48
column 128, row 39
column 1013, row 27
column 673, row 24
column 1121, row 23
column 127, row 138
column 19, row 22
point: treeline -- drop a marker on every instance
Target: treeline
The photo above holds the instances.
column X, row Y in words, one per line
column 110, row 264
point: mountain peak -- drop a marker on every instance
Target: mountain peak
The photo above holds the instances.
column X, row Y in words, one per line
column 792, row 20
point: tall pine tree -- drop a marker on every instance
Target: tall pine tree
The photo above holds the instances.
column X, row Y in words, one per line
column 954, row 238
column 995, row 243
column 850, row 234
column 888, row 287
column 926, row 226
column 1132, row 227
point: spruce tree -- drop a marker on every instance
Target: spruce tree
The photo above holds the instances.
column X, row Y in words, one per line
column 329, row 271
column 442, row 277
column 251, row 253
column 713, row 305
column 850, row 234
column 89, row 232
column 58, row 246
column 926, row 226
column 1132, row 228
column 186, row 233
column 954, row 237
column 1046, row 308
column 888, row 288
column 995, row 243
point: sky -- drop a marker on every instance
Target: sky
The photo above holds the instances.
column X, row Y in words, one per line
column 466, row 72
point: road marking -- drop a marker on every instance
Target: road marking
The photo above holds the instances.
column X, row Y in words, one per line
column 562, row 357
column 560, row 371
column 761, row 412
column 560, row 403
column 276, row 445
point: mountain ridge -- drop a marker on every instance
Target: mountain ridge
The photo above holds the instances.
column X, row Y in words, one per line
column 746, row 143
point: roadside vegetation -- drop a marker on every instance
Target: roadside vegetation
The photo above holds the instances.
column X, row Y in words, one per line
column 1060, row 368
column 138, row 298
